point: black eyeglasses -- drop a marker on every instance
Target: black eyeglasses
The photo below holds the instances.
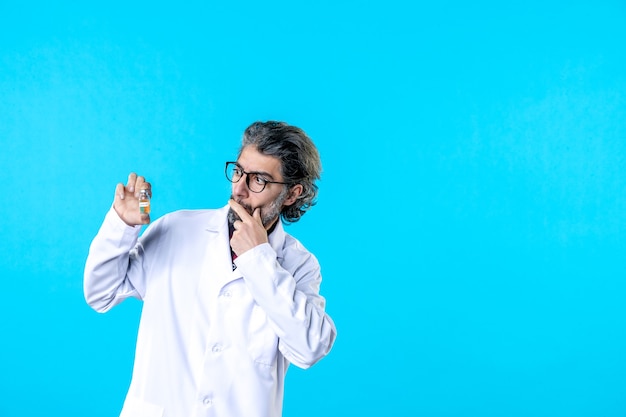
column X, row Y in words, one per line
column 254, row 180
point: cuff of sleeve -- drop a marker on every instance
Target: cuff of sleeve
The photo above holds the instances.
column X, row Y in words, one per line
column 115, row 223
column 256, row 256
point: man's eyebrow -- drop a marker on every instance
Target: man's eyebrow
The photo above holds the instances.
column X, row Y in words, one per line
column 261, row 173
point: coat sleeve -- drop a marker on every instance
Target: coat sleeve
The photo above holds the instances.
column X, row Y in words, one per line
column 114, row 256
column 291, row 301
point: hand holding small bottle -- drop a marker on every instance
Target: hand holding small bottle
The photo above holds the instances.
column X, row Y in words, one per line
column 132, row 202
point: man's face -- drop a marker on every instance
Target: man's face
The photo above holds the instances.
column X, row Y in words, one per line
column 271, row 199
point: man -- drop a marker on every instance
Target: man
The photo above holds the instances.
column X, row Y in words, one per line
column 229, row 298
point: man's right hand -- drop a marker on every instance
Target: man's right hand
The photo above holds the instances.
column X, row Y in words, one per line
column 126, row 202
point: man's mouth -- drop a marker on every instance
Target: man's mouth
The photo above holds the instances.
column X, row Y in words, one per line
column 246, row 206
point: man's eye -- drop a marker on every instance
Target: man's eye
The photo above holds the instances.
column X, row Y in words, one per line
column 259, row 180
column 237, row 172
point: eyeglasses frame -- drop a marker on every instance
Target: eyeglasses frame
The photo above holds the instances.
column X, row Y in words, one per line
column 265, row 182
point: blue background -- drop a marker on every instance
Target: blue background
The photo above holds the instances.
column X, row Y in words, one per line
column 471, row 219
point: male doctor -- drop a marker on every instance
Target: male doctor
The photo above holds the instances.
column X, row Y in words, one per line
column 229, row 298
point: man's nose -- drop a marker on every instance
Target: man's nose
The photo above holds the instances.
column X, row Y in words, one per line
column 240, row 187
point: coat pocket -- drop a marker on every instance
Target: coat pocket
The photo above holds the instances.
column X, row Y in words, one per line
column 262, row 341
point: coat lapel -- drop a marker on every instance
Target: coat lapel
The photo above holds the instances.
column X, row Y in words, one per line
column 217, row 265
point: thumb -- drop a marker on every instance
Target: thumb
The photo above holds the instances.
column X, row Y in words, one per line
column 119, row 192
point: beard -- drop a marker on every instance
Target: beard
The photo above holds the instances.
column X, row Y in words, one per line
column 269, row 213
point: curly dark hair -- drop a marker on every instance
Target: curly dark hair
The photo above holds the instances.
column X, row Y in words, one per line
column 300, row 160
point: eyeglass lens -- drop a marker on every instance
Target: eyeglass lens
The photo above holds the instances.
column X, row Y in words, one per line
column 253, row 181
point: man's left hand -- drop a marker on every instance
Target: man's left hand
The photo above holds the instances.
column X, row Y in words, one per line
column 249, row 231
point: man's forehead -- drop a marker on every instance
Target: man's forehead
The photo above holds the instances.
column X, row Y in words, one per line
column 250, row 159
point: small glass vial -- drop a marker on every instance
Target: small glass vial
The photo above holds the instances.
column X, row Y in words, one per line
column 144, row 202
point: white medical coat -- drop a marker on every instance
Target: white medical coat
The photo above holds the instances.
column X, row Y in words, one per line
column 211, row 341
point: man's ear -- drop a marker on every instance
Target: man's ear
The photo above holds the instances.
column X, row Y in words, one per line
column 294, row 193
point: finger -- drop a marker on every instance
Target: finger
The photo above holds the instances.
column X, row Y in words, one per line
column 119, row 191
column 147, row 186
column 242, row 212
column 132, row 179
column 237, row 224
column 140, row 184
column 256, row 215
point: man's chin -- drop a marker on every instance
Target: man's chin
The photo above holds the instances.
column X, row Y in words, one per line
column 233, row 216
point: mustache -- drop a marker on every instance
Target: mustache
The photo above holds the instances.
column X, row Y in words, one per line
column 233, row 216
column 244, row 205
column 269, row 213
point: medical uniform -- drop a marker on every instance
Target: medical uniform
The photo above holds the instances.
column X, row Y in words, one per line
column 212, row 341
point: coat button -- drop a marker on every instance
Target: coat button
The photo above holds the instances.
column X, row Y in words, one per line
column 207, row 401
column 216, row 348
